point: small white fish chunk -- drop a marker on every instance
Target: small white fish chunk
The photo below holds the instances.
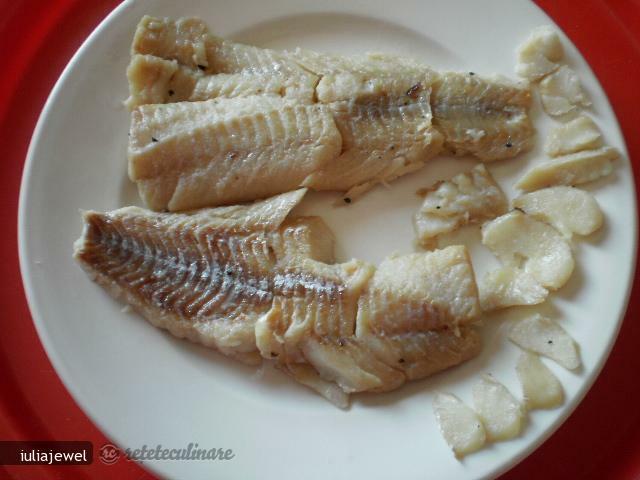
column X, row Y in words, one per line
column 460, row 426
column 469, row 197
column 572, row 169
column 521, row 241
column 308, row 376
column 539, row 54
column 540, row 387
column 569, row 210
column 500, row 412
column 508, row 287
column 561, row 92
column 578, row 134
column 544, row 336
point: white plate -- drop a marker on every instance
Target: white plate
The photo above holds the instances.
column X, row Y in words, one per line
column 141, row 386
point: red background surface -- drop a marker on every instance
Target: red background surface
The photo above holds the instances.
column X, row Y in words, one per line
column 37, row 38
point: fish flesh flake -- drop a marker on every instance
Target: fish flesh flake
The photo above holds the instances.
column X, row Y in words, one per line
column 392, row 116
column 467, row 198
column 181, row 60
column 255, row 284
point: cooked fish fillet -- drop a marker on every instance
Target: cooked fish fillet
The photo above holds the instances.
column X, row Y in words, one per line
column 482, row 116
column 365, row 78
column 181, row 60
column 416, row 311
column 393, row 114
column 192, row 154
column 254, row 284
column 477, row 115
column 485, row 117
column 467, row 198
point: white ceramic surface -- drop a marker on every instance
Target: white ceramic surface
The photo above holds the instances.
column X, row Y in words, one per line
column 142, row 386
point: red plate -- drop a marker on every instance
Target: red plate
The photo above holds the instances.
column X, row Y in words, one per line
column 600, row 440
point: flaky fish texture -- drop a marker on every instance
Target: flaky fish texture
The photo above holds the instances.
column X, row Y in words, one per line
column 336, row 123
column 482, row 116
column 174, row 61
column 255, row 284
column 193, row 154
column 467, row 198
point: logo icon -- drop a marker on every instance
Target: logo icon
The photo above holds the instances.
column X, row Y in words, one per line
column 109, row 454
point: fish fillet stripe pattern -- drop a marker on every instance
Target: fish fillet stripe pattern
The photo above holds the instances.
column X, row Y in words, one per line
column 248, row 281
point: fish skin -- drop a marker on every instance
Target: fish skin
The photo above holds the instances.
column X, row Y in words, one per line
column 257, row 285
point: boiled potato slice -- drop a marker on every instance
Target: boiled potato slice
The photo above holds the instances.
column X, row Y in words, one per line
column 459, row 424
column 508, row 287
column 581, row 133
column 538, row 55
column 469, row 197
column 521, row 241
column 540, row 387
column 544, row 336
column 569, row 210
column 561, row 92
column 500, row 413
column 572, row 169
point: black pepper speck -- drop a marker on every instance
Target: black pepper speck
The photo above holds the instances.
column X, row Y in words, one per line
column 414, row 91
